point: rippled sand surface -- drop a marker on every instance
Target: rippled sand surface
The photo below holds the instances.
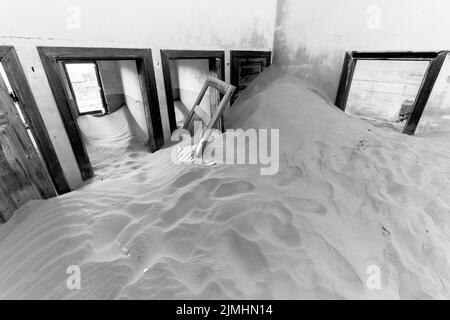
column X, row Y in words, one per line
column 348, row 195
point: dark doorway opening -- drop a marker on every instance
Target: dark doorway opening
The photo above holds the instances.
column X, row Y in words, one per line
column 245, row 67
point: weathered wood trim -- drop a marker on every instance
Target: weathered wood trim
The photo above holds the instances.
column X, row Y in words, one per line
column 22, row 172
column 56, row 84
column 394, row 55
column 150, row 99
column 19, row 83
column 345, row 81
column 424, row 92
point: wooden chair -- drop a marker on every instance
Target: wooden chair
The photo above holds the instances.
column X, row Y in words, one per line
column 197, row 114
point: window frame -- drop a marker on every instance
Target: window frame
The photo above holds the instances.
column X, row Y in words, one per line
column 436, row 60
column 99, row 81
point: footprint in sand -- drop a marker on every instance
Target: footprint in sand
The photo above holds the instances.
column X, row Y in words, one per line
column 308, row 205
column 289, row 174
column 135, row 155
column 233, row 188
column 283, row 232
column 188, row 178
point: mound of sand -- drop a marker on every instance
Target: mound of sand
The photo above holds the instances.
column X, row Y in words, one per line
column 109, row 138
column 348, row 195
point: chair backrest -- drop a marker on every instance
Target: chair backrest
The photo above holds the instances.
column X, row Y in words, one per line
column 196, row 114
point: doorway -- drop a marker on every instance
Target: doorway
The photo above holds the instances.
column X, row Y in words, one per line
column 23, row 174
column 75, row 77
column 25, row 106
column 108, row 107
column 245, row 67
column 185, row 72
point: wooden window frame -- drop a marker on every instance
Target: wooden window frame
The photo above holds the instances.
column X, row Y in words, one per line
column 99, row 81
column 234, row 68
column 30, row 110
column 436, row 60
column 51, row 56
column 167, row 56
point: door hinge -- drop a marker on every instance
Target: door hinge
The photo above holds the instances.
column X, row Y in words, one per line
column 14, row 97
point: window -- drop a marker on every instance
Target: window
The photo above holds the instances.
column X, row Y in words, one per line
column 390, row 89
column 86, row 87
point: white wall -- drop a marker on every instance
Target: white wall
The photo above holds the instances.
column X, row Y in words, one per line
column 155, row 24
column 132, row 92
column 312, row 36
column 192, row 74
column 110, row 76
column 166, row 23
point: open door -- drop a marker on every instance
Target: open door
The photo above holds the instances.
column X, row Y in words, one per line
column 23, row 176
column 245, row 67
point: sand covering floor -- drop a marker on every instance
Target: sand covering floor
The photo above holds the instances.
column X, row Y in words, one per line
column 110, row 139
column 348, row 195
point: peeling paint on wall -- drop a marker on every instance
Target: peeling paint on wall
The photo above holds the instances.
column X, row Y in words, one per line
column 311, row 37
column 320, row 69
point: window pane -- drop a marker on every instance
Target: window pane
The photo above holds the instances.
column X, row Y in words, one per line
column 384, row 90
column 436, row 116
column 87, row 90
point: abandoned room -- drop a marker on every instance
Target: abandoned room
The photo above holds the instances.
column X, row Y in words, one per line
column 230, row 150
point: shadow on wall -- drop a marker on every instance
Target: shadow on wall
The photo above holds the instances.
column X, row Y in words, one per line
column 321, row 70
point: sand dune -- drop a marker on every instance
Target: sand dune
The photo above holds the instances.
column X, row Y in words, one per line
column 347, row 195
column 109, row 138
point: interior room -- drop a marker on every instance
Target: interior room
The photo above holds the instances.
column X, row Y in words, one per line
column 109, row 109
column 224, row 150
column 245, row 66
column 185, row 72
column 188, row 76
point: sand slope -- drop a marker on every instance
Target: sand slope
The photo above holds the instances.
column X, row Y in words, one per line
column 109, row 138
column 348, row 195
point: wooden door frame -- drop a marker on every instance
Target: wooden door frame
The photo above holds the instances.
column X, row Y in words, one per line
column 234, row 68
column 50, row 57
column 30, row 110
column 436, row 60
column 167, row 56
